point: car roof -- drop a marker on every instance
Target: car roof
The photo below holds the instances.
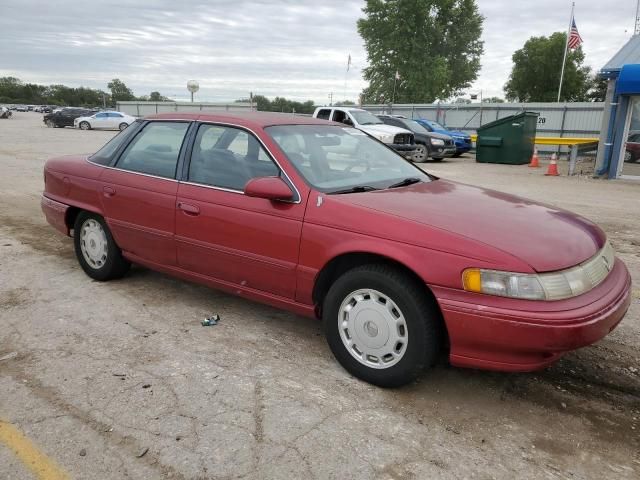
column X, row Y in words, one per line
column 255, row 119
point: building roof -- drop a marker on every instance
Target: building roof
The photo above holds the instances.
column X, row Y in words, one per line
column 629, row 54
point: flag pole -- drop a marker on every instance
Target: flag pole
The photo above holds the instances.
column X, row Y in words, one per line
column 566, row 47
column 393, row 97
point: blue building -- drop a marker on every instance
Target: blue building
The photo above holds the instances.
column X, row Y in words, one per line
column 619, row 148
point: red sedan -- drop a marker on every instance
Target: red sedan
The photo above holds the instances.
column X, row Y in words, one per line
column 323, row 220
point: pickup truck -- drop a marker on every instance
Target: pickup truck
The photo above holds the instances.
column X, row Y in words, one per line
column 400, row 139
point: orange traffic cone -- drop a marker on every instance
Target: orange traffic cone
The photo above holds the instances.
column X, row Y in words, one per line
column 553, row 166
column 534, row 159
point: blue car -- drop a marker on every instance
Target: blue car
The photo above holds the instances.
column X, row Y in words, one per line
column 461, row 139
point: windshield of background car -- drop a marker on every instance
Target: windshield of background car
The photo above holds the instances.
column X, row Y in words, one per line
column 438, row 126
column 415, row 126
column 333, row 158
column 105, row 154
column 365, row 118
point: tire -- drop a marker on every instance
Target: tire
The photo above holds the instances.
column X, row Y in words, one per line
column 50, row 124
column 421, row 153
column 84, row 126
column 99, row 262
column 417, row 322
column 122, row 126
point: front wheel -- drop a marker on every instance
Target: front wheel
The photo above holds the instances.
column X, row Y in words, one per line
column 50, row 124
column 421, row 153
column 122, row 126
column 85, row 126
column 96, row 250
column 381, row 326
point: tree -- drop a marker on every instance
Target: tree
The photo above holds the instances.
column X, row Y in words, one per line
column 119, row 91
column 279, row 104
column 156, row 97
column 494, row 100
column 598, row 89
column 535, row 75
column 434, row 46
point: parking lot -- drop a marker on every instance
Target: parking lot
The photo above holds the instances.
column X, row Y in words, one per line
column 119, row 380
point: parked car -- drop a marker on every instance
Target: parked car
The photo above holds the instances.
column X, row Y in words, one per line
column 632, row 152
column 399, row 264
column 21, row 108
column 428, row 144
column 5, row 112
column 64, row 117
column 461, row 139
column 104, row 121
column 400, row 139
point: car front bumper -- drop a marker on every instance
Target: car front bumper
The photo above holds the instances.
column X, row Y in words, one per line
column 503, row 334
column 407, row 150
column 442, row 152
column 462, row 145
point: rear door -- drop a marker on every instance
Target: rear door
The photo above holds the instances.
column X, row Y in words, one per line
column 139, row 192
column 101, row 120
column 223, row 234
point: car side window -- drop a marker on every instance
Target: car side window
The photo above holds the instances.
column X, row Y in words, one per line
column 324, row 114
column 228, row 157
column 116, row 115
column 155, row 149
column 101, row 115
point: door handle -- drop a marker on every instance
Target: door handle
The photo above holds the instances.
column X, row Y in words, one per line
column 189, row 209
column 108, row 191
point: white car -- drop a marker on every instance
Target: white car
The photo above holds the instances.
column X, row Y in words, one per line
column 104, row 121
column 400, row 139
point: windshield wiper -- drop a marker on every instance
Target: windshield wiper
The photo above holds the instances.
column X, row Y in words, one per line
column 405, row 182
column 356, row 189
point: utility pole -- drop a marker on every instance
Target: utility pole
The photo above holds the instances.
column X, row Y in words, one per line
column 330, row 99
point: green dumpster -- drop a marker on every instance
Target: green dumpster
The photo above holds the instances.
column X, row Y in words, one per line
column 507, row 140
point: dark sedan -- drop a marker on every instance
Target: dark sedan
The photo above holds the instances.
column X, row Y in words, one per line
column 429, row 144
column 65, row 117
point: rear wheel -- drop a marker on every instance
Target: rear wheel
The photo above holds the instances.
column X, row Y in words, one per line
column 96, row 250
column 50, row 124
column 122, row 126
column 381, row 326
column 85, row 126
column 421, row 153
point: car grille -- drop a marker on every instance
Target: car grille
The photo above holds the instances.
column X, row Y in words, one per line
column 449, row 143
column 403, row 138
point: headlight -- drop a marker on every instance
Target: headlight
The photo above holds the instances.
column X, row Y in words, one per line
column 545, row 286
column 386, row 138
column 437, row 142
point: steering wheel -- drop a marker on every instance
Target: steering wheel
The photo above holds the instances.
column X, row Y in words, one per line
column 366, row 164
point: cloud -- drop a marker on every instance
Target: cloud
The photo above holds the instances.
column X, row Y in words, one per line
column 292, row 48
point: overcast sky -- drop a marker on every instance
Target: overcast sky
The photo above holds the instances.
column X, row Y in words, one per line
column 292, row 48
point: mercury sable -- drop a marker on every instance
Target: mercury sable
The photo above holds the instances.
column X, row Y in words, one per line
column 323, row 220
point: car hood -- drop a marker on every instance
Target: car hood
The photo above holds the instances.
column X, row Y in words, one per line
column 458, row 133
column 442, row 136
column 544, row 237
column 383, row 128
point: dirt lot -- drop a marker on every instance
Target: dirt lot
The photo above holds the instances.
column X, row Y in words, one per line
column 104, row 371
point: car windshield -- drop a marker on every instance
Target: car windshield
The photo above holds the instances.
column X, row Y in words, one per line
column 437, row 125
column 336, row 159
column 415, row 126
column 365, row 118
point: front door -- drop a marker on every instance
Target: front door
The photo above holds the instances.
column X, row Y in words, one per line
column 222, row 233
column 139, row 194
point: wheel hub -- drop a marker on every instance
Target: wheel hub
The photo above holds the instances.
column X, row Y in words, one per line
column 93, row 243
column 373, row 328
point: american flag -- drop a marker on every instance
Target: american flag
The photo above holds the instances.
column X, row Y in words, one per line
column 575, row 40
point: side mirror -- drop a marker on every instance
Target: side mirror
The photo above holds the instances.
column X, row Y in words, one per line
column 269, row 188
column 347, row 121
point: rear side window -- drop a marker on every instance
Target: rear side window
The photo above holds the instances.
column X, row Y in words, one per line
column 324, row 114
column 155, row 149
column 104, row 156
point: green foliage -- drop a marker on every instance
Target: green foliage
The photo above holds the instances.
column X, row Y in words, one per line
column 536, row 72
column 598, row 89
column 13, row 90
column 156, row 97
column 119, row 91
column 494, row 100
column 279, row 104
column 434, row 45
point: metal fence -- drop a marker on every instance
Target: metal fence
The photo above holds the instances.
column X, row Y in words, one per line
column 555, row 119
column 141, row 109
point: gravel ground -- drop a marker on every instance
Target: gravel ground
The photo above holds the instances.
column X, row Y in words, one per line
column 123, row 373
